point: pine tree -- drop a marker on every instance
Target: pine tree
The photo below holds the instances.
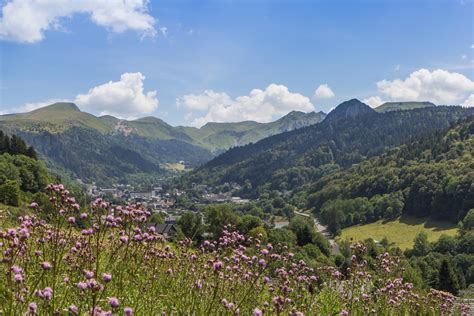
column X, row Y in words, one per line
column 447, row 279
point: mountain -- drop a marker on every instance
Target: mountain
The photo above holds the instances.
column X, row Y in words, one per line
column 397, row 106
column 353, row 133
column 349, row 109
column 107, row 149
column 429, row 176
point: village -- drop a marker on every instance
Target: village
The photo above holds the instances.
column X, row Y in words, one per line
column 166, row 203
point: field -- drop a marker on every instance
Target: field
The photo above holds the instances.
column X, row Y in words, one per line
column 176, row 166
column 401, row 231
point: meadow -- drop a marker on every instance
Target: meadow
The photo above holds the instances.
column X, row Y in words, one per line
column 401, row 231
column 103, row 260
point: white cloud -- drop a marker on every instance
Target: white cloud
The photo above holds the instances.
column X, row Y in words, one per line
column 397, row 67
column 259, row 105
column 123, row 98
column 472, row 46
column 323, row 92
column 438, row 86
column 464, row 57
column 469, row 102
column 27, row 20
column 373, row 101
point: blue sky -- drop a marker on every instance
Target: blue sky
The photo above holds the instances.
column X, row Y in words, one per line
column 210, row 55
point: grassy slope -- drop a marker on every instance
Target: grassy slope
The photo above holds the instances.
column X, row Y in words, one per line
column 54, row 118
column 393, row 106
column 401, row 231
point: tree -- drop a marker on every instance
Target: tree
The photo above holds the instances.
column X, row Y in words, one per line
column 282, row 236
column 303, row 229
column 446, row 244
column 468, row 221
column 447, row 280
column 422, row 246
column 218, row 216
column 10, row 193
column 248, row 222
column 191, row 225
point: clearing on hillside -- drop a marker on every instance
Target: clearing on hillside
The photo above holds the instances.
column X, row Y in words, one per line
column 401, row 231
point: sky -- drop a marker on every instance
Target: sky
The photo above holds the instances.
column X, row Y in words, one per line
column 191, row 62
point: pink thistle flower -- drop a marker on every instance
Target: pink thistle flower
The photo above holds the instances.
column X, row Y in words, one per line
column 262, row 263
column 82, row 285
column 124, row 239
column 128, row 311
column 34, row 205
column 106, row 277
column 46, row 265
column 257, row 312
column 343, row 313
column 17, row 269
column 33, row 307
column 113, row 302
column 18, row 278
column 217, row 265
column 71, row 220
column 84, row 215
column 73, row 309
column 88, row 274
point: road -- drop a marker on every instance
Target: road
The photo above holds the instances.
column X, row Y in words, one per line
column 324, row 231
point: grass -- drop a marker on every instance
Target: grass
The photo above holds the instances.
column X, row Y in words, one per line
column 401, row 231
column 176, row 166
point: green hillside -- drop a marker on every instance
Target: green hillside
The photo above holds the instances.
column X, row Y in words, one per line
column 288, row 160
column 54, row 118
column 106, row 149
column 397, row 106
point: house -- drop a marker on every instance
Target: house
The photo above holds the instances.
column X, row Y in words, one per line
column 166, row 230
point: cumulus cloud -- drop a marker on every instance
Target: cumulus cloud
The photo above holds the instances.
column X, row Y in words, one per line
column 26, row 20
column 469, row 102
column 438, row 86
column 323, row 92
column 259, row 105
column 123, row 98
column 373, row 101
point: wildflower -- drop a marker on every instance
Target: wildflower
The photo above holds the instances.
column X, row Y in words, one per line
column 46, row 265
column 124, row 239
column 217, row 265
column 262, row 263
column 18, row 278
column 88, row 274
column 34, row 205
column 33, row 307
column 257, row 312
column 128, row 311
column 113, row 302
column 73, row 309
column 106, row 277
column 84, row 215
column 71, row 220
column 343, row 313
column 46, row 293
column 17, row 269
column 82, row 285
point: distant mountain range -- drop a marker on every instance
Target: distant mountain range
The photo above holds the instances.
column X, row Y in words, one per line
column 106, row 149
column 351, row 133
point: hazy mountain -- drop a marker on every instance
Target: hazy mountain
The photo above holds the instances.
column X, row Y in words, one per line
column 396, row 106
